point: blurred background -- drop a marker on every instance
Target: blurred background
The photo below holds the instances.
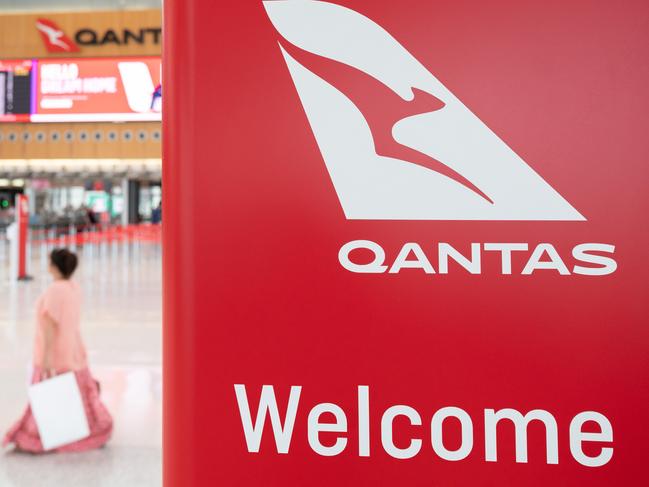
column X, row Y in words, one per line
column 80, row 140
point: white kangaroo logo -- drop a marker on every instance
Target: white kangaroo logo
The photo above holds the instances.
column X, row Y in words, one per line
column 53, row 35
column 375, row 187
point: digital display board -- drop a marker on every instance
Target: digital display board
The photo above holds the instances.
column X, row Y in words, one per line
column 16, row 80
column 81, row 90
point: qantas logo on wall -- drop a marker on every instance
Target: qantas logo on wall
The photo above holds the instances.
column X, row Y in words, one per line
column 56, row 41
column 54, row 38
column 417, row 154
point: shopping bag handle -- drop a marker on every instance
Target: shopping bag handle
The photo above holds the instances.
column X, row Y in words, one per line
column 48, row 374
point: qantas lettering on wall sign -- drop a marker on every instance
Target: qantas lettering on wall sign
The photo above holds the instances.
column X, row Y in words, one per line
column 55, row 39
column 417, row 154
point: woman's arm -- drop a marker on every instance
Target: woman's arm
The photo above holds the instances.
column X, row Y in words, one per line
column 49, row 329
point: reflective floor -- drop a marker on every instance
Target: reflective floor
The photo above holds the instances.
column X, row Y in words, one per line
column 122, row 330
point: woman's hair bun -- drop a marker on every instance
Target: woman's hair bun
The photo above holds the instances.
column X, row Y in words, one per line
column 65, row 261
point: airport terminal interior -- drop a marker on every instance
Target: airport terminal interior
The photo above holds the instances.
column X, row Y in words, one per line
column 401, row 244
column 80, row 160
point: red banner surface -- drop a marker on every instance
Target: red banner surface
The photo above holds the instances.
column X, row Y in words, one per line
column 405, row 243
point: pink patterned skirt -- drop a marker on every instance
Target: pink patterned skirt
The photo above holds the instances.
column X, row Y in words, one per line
column 24, row 434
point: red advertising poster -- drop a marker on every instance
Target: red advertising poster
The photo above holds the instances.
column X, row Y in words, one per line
column 98, row 89
column 405, row 243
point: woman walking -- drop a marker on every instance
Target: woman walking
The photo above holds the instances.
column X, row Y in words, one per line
column 58, row 348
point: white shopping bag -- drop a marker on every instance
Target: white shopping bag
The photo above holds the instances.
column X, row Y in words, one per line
column 58, row 410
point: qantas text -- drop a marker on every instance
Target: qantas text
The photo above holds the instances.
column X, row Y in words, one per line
column 586, row 259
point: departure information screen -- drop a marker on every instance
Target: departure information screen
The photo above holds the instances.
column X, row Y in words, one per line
column 16, row 79
column 81, row 90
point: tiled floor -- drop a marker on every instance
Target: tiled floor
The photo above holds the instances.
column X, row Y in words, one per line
column 122, row 330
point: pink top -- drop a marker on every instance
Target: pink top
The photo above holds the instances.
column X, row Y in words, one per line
column 62, row 302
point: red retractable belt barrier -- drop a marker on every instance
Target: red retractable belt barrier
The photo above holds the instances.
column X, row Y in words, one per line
column 405, row 243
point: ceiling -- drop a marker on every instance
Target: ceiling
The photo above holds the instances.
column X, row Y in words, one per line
column 74, row 5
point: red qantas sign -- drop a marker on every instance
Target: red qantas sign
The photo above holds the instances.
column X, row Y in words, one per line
column 405, row 243
column 54, row 38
